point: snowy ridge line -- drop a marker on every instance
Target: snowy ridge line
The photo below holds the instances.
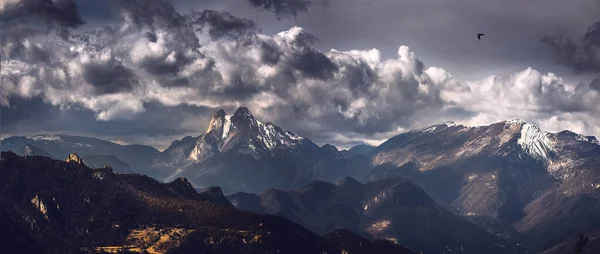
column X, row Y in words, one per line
column 536, row 142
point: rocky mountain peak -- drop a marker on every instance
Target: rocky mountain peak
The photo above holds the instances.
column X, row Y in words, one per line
column 74, row 157
column 220, row 113
column 536, row 142
column 217, row 124
column 214, row 194
column 242, row 117
column 447, row 123
column 29, row 150
column 575, row 136
column 182, row 181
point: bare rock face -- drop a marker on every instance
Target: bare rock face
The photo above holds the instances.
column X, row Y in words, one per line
column 240, row 153
column 74, row 157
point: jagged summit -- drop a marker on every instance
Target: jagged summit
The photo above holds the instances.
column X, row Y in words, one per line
column 182, row 180
column 447, row 123
column 514, row 121
column 214, row 194
column 243, row 111
column 242, row 117
column 219, row 113
column 217, row 124
column 241, row 132
column 536, row 142
column 74, row 157
column 576, row 136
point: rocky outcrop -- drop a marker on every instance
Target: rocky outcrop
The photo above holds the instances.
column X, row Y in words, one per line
column 74, row 157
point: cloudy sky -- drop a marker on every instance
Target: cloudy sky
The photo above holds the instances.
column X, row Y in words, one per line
column 336, row 71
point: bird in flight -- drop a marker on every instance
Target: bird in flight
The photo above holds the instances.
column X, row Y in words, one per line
column 479, row 36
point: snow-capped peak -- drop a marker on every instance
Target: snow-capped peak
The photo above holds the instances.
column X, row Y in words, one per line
column 250, row 133
column 515, row 121
column 535, row 142
column 273, row 136
column 447, row 124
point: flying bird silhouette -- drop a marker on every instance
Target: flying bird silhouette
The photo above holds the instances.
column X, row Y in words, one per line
column 479, row 36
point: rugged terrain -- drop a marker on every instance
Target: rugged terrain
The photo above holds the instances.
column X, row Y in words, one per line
column 100, row 152
column 51, row 206
column 510, row 178
column 393, row 209
column 239, row 153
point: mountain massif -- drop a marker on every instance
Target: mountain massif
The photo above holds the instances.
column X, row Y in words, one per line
column 239, row 153
column 510, row 185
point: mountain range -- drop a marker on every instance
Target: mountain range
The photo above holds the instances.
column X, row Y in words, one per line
column 392, row 209
column 511, row 185
column 52, row 206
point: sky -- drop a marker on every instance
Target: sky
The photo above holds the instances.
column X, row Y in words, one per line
column 342, row 72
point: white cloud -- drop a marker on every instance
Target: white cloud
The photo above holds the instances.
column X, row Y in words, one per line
column 343, row 96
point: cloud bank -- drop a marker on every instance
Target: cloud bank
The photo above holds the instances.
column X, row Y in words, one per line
column 147, row 64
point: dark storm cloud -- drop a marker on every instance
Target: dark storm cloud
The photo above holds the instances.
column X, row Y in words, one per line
column 62, row 11
column 580, row 56
column 150, row 12
column 286, row 8
column 151, row 37
column 314, row 64
column 270, row 54
column 33, row 116
column 26, row 51
column 223, row 24
column 109, row 77
column 595, row 84
column 161, row 66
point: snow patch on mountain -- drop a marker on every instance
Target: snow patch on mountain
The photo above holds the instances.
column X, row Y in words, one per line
column 448, row 124
column 515, row 122
column 430, row 129
column 293, row 136
column 47, row 138
column 226, row 127
column 536, row 143
column 436, row 126
column 272, row 137
column 589, row 139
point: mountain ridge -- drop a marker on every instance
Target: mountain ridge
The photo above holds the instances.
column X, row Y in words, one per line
column 66, row 207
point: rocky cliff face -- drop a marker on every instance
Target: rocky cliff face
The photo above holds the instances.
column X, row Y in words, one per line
column 238, row 152
column 75, row 158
